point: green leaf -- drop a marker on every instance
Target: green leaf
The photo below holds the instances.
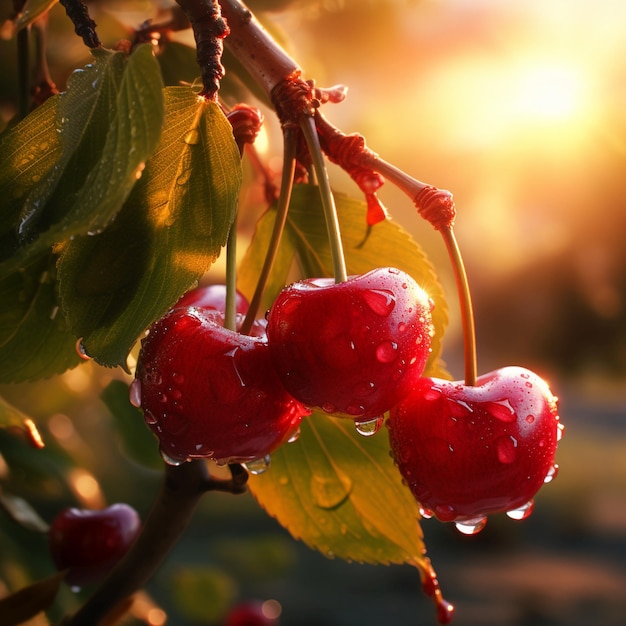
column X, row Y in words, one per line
column 28, row 152
column 138, row 442
column 35, row 340
column 28, row 602
column 306, row 238
column 109, row 122
column 171, row 229
column 341, row 494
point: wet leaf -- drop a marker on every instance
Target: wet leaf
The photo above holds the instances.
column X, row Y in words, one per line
column 171, row 229
column 306, row 240
column 138, row 442
column 29, row 601
column 109, row 122
column 341, row 494
column 35, row 340
column 12, row 418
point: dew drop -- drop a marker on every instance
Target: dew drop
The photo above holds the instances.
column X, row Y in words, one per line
column 369, row 427
column 560, row 429
column 192, row 137
column 295, row 435
column 471, row 526
column 522, row 512
column 552, row 474
column 150, row 418
column 401, row 327
column 330, row 489
column 356, row 410
column 506, row 447
column 258, row 466
column 386, row 352
column 501, row 410
column 161, row 397
column 380, row 301
column 178, row 378
column 134, row 393
column 528, row 384
column 530, row 419
column 171, row 460
column 328, row 407
column 425, row 512
column 80, row 349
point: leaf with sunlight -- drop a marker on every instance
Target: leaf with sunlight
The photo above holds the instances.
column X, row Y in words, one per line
column 341, row 494
column 169, row 232
column 109, row 122
column 35, row 341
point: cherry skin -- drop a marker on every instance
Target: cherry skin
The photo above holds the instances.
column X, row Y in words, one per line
column 212, row 297
column 210, row 392
column 353, row 348
column 468, row 451
column 249, row 614
column 89, row 543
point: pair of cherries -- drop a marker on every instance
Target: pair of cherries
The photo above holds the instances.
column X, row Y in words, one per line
column 355, row 349
column 351, row 349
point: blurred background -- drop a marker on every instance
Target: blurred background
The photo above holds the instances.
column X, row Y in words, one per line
column 518, row 108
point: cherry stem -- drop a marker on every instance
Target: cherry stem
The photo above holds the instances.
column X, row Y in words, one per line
column 181, row 490
column 465, row 304
column 307, row 124
column 286, row 186
column 230, row 311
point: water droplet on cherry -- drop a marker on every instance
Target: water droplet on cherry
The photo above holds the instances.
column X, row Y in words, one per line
column 171, row 460
column 178, row 378
column 530, row 419
column 522, row 512
column 327, row 407
column 258, row 466
column 471, row 526
column 380, row 301
column 368, row 427
column 552, row 474
column 386, row 352
column 295, row 435
column 501, row 410
column 506, row 449
column 560, row 429
column 149, row 417
column 426, row 513
column 134, row 393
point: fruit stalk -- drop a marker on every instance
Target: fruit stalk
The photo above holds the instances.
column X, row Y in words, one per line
column 289, row 166
column 181, row 490
column 465, row 305
column 307, row 124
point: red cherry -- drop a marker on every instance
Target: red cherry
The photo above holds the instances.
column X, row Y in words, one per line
column 89, row 543
column 467, row 451
column 210, row 392
column 250, row 614
column 353, row 348
column 212, row 297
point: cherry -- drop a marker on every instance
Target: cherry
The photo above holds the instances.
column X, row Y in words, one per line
column 212, row 297
column 353, row 348
column 210, row 392
column 250, row 614
column 467, row 451
column 88, row 543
